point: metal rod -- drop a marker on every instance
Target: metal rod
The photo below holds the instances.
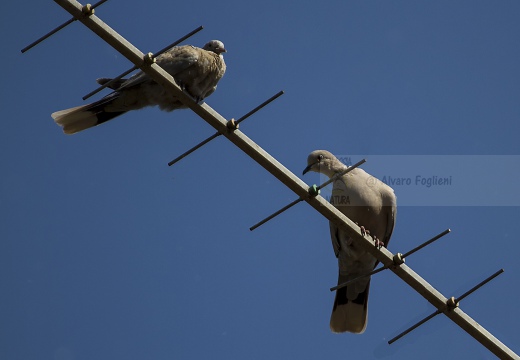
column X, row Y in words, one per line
column 303, row 198
column 175, row 43
column 479, row 285
column 271, row 99
column 426, row 243
column 50, row 33
column 215, row 135
column 110, row 82
column 429, row 317
column 199, row 145
column 286, row 207
column 337, row 287
column 107, row 84
column 349, row 169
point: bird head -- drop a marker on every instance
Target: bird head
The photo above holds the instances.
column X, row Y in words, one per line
column 215, row 46
column 321, row 161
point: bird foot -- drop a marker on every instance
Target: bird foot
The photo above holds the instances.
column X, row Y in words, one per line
column 378, row 243
column 363, row 230
column 181, row 85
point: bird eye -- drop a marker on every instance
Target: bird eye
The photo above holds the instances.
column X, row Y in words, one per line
column 320, row 157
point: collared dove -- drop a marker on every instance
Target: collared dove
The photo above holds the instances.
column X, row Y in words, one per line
column 195, row 70
column 371, row 204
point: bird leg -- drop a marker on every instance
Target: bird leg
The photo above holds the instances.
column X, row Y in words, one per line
column 363, row 230
column 378, row 243
column 197, row 99
column 181, row 85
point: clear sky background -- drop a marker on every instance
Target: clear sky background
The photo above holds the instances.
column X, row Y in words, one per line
column 108, row 253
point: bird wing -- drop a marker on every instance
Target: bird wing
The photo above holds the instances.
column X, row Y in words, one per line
column 173, row 61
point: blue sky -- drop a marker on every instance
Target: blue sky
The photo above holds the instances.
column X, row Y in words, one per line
column 108, row 253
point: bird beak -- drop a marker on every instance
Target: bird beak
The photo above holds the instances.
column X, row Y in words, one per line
column 223, row 50
column 307, row 169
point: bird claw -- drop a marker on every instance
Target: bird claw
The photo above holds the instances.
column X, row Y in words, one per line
column 363, row 230
column 378, row 243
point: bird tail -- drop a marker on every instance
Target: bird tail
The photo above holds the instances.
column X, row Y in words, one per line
column 83, row 117
column 349, row 315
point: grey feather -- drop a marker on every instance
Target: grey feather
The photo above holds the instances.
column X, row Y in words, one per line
column 371, row 204
column 196, row 70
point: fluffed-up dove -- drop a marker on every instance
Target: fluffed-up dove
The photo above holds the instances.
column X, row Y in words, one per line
column 372, row 205
column 196, row 70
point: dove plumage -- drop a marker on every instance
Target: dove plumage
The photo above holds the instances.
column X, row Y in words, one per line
column 196, row 70
column 371, row 204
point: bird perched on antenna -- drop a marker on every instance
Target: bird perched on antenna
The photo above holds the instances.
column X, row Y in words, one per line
column 371, row 204
column 196, row 70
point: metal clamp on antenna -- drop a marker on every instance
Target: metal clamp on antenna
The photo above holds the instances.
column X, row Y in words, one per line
column 314, row 190
column 232, row 125
column 87, row 11
column 149, row 58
